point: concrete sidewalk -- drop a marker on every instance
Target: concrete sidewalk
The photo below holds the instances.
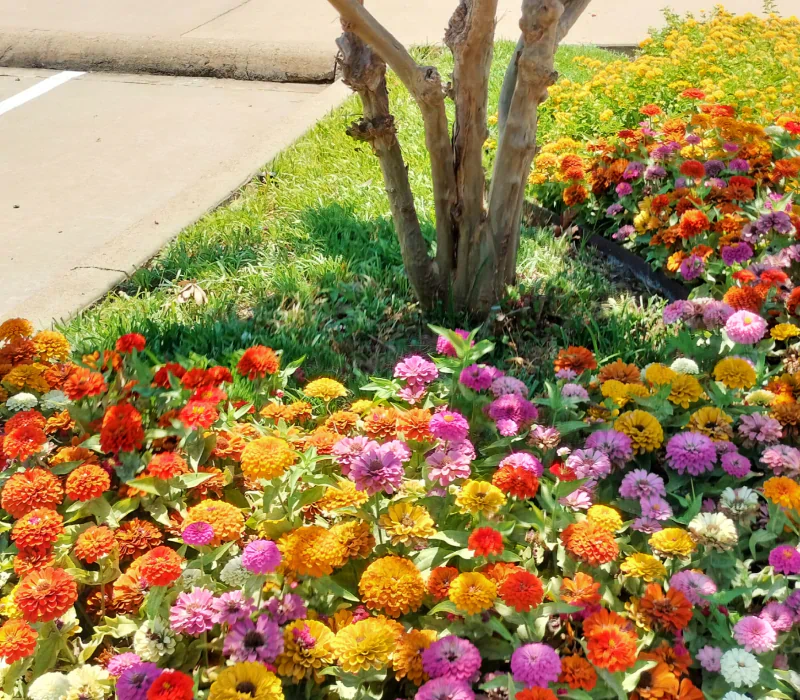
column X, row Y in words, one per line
column 100, row 172
column 270, row 39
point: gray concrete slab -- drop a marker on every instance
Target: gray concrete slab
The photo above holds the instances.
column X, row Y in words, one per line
column 13, row 81
column 100, row 172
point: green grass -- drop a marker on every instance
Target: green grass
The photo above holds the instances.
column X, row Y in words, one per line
column 307, row 261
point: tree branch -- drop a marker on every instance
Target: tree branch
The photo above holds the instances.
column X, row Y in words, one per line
column 572, row 10
column 425, row 85
column 517, row 144
column 365, row 73
column 470, row 37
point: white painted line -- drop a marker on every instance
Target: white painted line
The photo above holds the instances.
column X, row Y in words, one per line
column 39, row 89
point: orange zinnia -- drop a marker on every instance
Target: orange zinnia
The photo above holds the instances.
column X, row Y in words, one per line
column 29, row 490
column 577, row 673
column 744, row 299
column 39, row 528
column 166, row 465
column 439, row 581
column 23, row 442
column 522, row 590
column 82, row 382
column 28, row 560
column 672, row 610
column 516, row 481
column 258, row 362
column 693, row 222
column 590, row 543
column 161, row 566
column 575, row 358
column 45, row 595
column 17, row 640
column 121, row 430
column 610, row 642
column 582, row 590
column 414, row 424
column 381, row 424
column 94, row 543
column 30, row 417
column 658, row 682
column 87, row 482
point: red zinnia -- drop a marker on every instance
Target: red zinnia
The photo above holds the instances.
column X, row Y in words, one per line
column 485, row 541
column 792, row 127
column 161, row 377
column 692, row 168
column 258, row 361
column 23, row 418
column 128, row 342
column 693, row 94
column 121, row 430
column 718, row 110
column 171, row 685
column 522, row 590
column 217, row 375
column 160, row 566
column 82, row 382
column 650, row 110
column 516, row 481
column 198, row 414
column 209, row 394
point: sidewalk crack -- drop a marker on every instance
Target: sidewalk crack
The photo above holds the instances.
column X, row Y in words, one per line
column 214, row 19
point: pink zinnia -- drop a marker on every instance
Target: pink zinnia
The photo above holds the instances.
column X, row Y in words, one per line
column 451, row 657
column 589, row 464
column 756, row 427
column 617, row 446
column 755, row 635
column 785, row 559
column 416, row 370
column 192, row 612
column 445, row 347
column 377, row 469
column 709, row 658
column 511, row 413
column 447, row 465
column 535, row 665
column 782, row 459
column 509, row 385
column 449, row 425
column 347, row 449
column 694, row 585
column 778, row 615
column 476, row 377
column 261, row 557
column 735, row 464
column 745, row 327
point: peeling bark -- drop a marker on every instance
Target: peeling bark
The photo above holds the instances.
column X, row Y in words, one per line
column 365, row 73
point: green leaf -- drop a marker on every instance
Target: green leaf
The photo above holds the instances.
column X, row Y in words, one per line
column 632, row 677
column 613, row 683
column 500, row 628
column 151, row 485
column 446, row 606
column 120, row 509
column 311, row 495
column 189, row 481
column 456, row 538
column 760, row 537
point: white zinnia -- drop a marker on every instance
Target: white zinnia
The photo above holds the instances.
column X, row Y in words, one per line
column 54, row 400
column 740, row 668
column 153, row 640
column 714, row 530
column 21, row 402
column 50, row 686
column 88, row 683
column 234, row 574
column 684, row 365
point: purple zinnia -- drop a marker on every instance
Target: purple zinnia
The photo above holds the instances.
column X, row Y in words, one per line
column 122, row 662
column 416, row 370
column 193, row 613
column 452, row 657
column 449, row 425
column 616, row 446
column 709, row 658
column 716, row 313
column 745, row 327
column 624, row 189
column 714, row 167
column 286, row 609
column 523, row 460
column 566, row 374
column 694, row 585
column 654, row 172
column 755, row 634
column 623, row 233
column 778, row 221
column 535, row 665
column 231, row 607
column 735, row 464
column 646, row 525
column 615, row 210
column 509, row 385
column 476, row 377
column 261, row 557
column 692, row 452
column 445, row 347
column 640, row 483
column 779, row 616
column 785, row 559
column 757, row 427
column 677, row 311
column 693, row 139
column 398, row 448
column 376, row 470
column 511, row 413
column 737, row 252
column 633, row 170
column 692, row 267
column 135, row 681
column 656, row 508
column 589, row 464
column 261, row 641
column 447, row 465
column 574, row 391
column 347, row 449
column 198, row 534
column 445, row 689
column 739, row 165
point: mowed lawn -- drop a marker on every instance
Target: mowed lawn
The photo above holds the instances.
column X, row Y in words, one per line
column 304, row 259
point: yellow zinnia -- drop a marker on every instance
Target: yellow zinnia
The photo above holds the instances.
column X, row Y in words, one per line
column 685, row 390
column 642, row 428
column 735, row 373
column 343, row 495
column 27, row 378
column 392, row 585
column 643, row 566
column 300, row 659
column 267, row 458
column 472, row 592
column 407, row 524
column 325, row 389
column 784, row 331
column 657, row 373
column 713, row 422
column 407, row 659
column 51, row 346
column 606, row 517
column 365, row 644
column 248, row 679
column 312, row 551
column 16, row 328
column 480, row 497
column 673, row 542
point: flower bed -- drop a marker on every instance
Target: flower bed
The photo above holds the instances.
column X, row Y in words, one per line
column 184, row 530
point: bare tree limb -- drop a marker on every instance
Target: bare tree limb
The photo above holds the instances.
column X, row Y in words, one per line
column 365, row 73
column 470, row 37
column 517, row 144
column 572, row 10
column 425, row 85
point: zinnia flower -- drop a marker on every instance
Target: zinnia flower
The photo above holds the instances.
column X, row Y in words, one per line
column 31, row 489
column 171, row 685
column 365, row 644
column 46, row 594
column 121, row 430
column 161, row 566
column 485, row 541
column 325, row 389
column 740, row 668
column 192, row 613
column 535, row 665
column 785, row 559
column 257, row 362
column 590, row 543
column 445, row 689
column 521, row 590
column 642, row 428
column 392, row 585
column 745, row 327
column 472, row 592
column 17, row 640
column 261, row 557
column 692, row 452
column 452, row 657
column 254, row 641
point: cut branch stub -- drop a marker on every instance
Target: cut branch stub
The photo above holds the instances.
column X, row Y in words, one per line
column 369, row 130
